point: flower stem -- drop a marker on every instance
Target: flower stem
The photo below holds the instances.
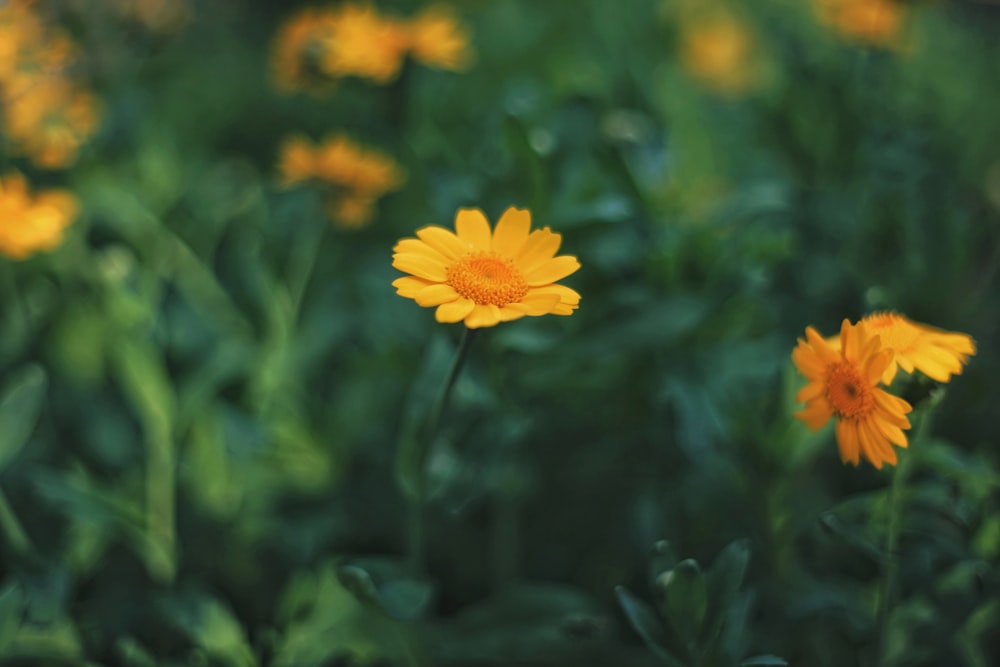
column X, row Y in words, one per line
column 894, row 520
column 426, row 441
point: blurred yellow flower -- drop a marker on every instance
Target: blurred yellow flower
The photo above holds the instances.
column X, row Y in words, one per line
column 298, row 51
column 29, row 224
column 364, row 43
column 438, row 39
column 876, row 22
column 315, row 47
column 49, row 119
column 843, row 384
column 935, row 353
column 485, row 277
column 357, row 175
column 720, row 51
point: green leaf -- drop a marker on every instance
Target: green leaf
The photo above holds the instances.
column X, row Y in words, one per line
column 211, row 626
column 724, row 581
column 381, row 583
column 764, row 661
column 11, row 613
column 647, row 625
column 685, row 598
column 20, row 405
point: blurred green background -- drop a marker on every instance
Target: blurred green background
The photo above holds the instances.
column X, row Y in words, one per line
column 204, row 387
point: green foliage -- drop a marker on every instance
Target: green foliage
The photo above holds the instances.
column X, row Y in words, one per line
column 215, row 445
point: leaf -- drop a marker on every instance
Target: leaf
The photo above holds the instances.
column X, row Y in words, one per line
column 724, row 581
column 11, row 613
column 211, row 626
column 20, row 405
column 686, row 599
column 646, row 624
column 764, row 661
column 381, row 583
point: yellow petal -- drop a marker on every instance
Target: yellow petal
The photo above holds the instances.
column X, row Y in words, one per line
column 825, row 350
column 511, row 232
column 847, row 441
column 877, row 364
column 554, row 269
column 418, row 247
column 483, row 316
column 473, row 228
column 508, row 314
column 455, row 311
column 536, row 304
column 541, row 246
column 809, row 392
column 567, row 296
column 563, row 309
column 849, row 339
column 408, row 286
column 421, row 266
column 444, row 241
column 435, row 295
column 816, row 414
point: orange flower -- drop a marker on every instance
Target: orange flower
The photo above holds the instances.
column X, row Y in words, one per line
column 876, row 22
column 843, row 384
column 936, row 353
column 485, row 277
column 361, row 42
column 720, row 51
column 49, row 119
column 297, row 162
column 439, row 40
column 299, row 49
column 29, row 224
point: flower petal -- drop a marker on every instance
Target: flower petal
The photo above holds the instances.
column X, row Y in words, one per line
column 454, row 311
column 536, row 304
column 554, row 269
column 421, row 266
column 512, row 231
column 816, row 414
column 541, row 246
column 418, row 247
column 435, row 295
column 473, row 228
column 847, row 441
column 483, row 316
column 508, row 314
column 408, row 286
column 567, row 295
column 444, row 241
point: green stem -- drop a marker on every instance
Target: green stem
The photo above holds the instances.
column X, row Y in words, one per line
column 894, row 520
column 12, row 529
column 425, row 445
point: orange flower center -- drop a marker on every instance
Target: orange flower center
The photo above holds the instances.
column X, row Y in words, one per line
column 848, row 393
column 487, row 278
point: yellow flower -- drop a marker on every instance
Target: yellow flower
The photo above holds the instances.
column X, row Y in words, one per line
column 342, row 162
column 483, row 277
column 720, row 51
column 362, row 42
column 843, row 384
column 297, row 162
column 49, row 119
column 299, row 49
column 876, row 22
column 29, row 224
column 439, row 40
column 935, row 353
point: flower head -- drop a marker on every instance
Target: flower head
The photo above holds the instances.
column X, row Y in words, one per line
column 364, row 43
column 842, row 384
column 439, row 40
column 298, row 51
column 720, row 51
column 484, row 277
column 30, row 223
column 935, row 353
column 876, row 22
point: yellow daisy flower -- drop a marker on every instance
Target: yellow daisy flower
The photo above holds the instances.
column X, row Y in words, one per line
column 484, row 277
column 438, row 39
column 936, row 353
column 29, row 224
column 720, row 50
column 842, row 384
